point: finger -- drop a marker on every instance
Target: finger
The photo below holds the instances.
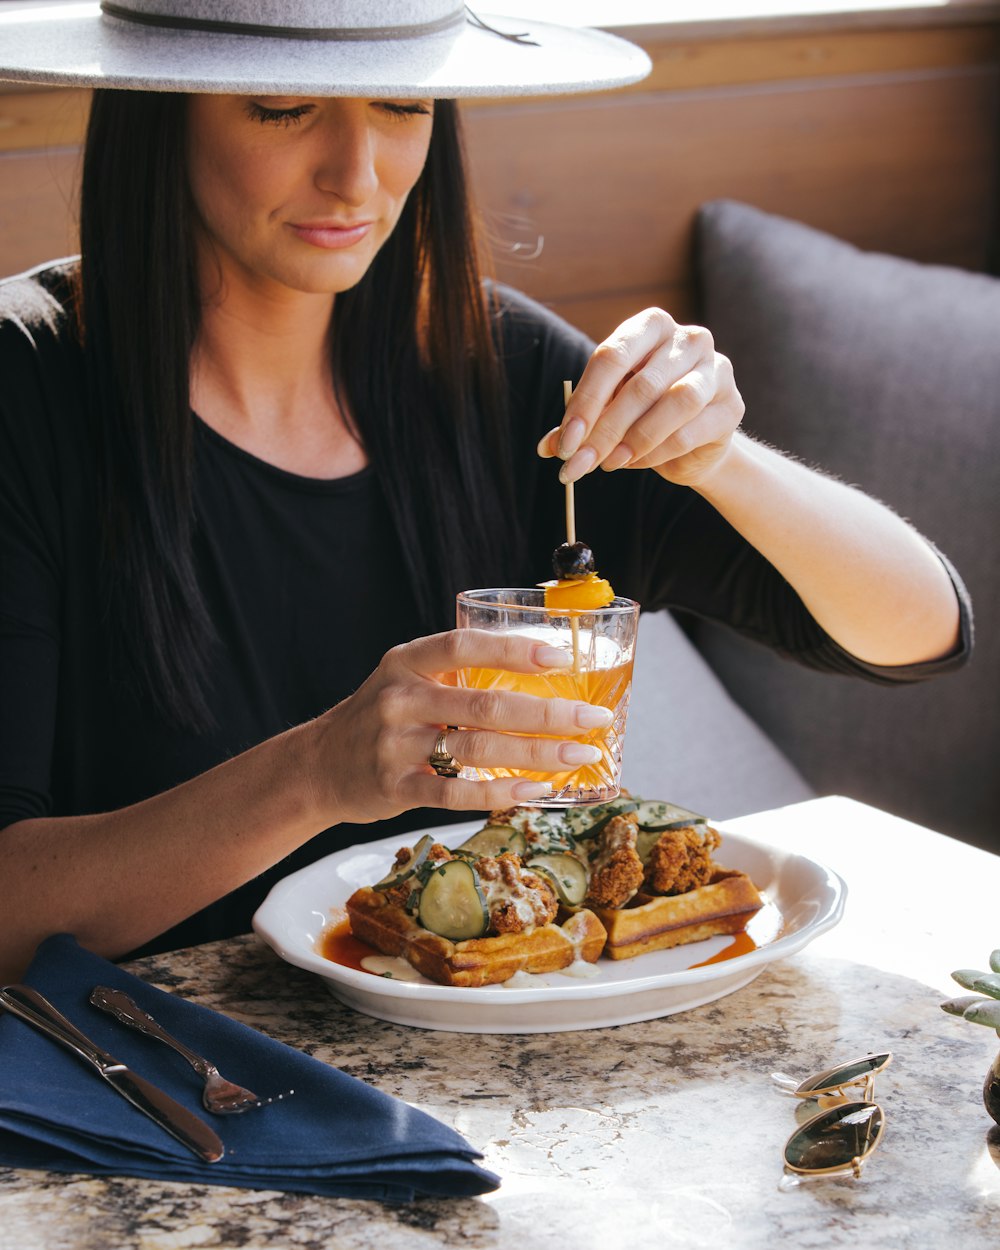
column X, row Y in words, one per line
column 684, row 362
column 610, row 364
column 548, row 444
column 636, row 436
column 503, row 711
column 709, row 428
column 479, row 648
column 477, row 748
column 458, row 795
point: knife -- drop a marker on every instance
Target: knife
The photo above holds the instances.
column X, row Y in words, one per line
column 29, row 1005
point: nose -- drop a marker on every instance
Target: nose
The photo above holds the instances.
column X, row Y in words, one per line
column 346, row 157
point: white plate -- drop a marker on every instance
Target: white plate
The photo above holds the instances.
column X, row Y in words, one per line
column 803, row 898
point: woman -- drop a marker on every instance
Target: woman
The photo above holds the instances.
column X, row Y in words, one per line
column 257, row 439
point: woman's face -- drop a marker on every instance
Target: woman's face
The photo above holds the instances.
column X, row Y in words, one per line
column 302, row 193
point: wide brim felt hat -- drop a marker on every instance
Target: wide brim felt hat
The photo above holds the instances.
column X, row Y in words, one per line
column 386, row 48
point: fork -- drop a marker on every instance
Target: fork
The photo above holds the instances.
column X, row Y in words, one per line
column 219, row 1095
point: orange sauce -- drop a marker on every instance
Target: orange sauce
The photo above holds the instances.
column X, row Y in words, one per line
column 338, row 944
column 742, row 944
column 762, row 929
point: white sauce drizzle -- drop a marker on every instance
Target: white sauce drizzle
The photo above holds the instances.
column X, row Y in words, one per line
column 520, row 980
column 390, row 966
column 580, row 968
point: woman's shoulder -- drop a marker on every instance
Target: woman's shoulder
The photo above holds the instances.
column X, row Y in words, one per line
column 37, row 305
column 41, row 367
column 529, row 331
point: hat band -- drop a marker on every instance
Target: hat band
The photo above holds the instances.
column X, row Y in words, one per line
column 413, row 31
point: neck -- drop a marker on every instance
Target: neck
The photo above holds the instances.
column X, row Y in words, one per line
column 261, row 377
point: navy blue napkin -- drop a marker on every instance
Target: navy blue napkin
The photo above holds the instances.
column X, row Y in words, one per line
column 335, row 1136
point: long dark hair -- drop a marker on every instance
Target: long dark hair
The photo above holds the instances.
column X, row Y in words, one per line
column 413, row 354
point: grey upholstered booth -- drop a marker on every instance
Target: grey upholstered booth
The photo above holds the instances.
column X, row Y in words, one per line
column 886, row 373
column 690, row 742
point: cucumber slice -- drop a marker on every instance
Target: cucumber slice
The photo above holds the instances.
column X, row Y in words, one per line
column 653, row 814
column 567, row 875
column 452, row 903
column 587, row 822
column 402, row 872
column 493, row 841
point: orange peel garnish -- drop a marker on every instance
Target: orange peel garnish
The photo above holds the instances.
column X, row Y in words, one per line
column 581, row 594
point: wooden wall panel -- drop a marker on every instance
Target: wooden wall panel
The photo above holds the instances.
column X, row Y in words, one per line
column 37, row 207
column 901, row 163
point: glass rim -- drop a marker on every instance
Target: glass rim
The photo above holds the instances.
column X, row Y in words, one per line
column 619, row 606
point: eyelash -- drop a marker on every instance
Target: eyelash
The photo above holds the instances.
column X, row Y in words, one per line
column 277, row 117
column 291, row 117
column 404, row 110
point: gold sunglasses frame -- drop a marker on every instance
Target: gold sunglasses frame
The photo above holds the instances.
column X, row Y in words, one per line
column 820, row 1090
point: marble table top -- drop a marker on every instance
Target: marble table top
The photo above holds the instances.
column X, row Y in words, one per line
column 663, row 1134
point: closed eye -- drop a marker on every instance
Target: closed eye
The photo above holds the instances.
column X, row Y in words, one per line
column 401, row 109
column 278, row 117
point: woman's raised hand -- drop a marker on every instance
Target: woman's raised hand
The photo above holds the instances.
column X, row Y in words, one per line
column 372, row 760
column 654, row 395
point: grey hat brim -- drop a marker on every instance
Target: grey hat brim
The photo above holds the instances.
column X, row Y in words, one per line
column 74, row 45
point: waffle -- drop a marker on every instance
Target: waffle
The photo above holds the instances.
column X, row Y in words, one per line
column 476, row 961
column 655, row 922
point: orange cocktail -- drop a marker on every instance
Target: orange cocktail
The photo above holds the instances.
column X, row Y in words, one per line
column 602, row 643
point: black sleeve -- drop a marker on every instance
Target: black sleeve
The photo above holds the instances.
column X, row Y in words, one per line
column 30, row 571
column 662, row 544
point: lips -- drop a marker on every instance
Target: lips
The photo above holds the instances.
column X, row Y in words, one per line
column 331, row 235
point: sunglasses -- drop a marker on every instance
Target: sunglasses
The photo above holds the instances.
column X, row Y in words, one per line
column 838, row 1131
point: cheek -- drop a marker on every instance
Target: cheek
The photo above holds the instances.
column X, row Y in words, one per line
column 228, row 192
column 404, row 166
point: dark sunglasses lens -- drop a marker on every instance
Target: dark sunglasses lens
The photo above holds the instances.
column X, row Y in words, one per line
column 835, row 1138
column 845, row 1073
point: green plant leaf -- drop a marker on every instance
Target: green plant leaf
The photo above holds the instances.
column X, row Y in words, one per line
column 967, row 977
column 988, row 985
column 984, row 1012
column 959, row 1006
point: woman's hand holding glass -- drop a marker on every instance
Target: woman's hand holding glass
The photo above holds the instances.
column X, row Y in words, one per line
column 373, row 747
column 654, row 395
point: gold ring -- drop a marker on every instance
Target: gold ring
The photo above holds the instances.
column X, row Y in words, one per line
column 440, row 759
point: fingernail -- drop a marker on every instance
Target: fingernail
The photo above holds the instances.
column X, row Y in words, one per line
column 593, row 716
column 545, row 446
column 552, row 657
column 578, row 465
column 571, row 437
column 530, row 789
column 579, row 753
column 615, row 459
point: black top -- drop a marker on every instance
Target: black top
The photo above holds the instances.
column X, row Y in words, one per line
column 292, row 572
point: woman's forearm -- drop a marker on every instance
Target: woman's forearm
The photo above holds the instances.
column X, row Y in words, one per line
column 867, row 577
column 118, row 879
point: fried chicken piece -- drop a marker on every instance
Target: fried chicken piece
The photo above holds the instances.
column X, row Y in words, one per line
column 502, row 815
column 518, row 900
column 616, row 872
column 681, row 860
column 400, row 892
